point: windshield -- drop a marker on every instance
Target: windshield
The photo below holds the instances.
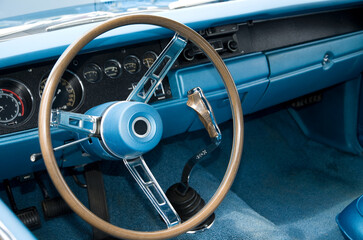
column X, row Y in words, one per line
column 24, row 17
column 15, row 13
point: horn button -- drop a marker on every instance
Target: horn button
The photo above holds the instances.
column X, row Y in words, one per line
column 127, row 130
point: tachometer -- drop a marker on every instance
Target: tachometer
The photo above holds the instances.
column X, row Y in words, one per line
column 16, row 103
column 69, row 93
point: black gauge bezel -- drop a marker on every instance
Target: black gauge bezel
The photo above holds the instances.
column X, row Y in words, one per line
column 138, row 63
column 13, row 83
column 143, row 57
column 118, row 65
column 77, row 79
column 97, row 68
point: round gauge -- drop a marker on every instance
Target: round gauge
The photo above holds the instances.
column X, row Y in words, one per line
column 16, row 103
column 149, row 58
column 10, row 106
column 112, row 68
column 69, row 93
column 92, row 73
column 132, row 64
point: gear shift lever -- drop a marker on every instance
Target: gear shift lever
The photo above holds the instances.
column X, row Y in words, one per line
column 186, row 201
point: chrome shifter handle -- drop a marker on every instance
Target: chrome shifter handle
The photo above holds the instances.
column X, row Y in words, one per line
column 199, row 103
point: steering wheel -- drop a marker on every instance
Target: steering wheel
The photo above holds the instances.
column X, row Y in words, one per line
column 46, row 115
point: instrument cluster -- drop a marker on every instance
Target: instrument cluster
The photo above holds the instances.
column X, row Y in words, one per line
column 91, row 79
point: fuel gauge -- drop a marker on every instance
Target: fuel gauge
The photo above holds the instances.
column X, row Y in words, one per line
column 92, row 73
column 132, row 64
column 112, row 68
column 149, row 58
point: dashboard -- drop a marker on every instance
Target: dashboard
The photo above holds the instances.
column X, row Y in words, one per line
column 273, row 58
column 110, row 75
column 90, row 80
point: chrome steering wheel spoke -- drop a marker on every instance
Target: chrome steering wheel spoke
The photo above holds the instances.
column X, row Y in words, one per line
column 156, row 73
column 75, row 122
column 147, row 182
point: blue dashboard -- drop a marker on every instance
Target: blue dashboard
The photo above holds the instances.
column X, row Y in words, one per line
column 276, row 51
column 271, row 63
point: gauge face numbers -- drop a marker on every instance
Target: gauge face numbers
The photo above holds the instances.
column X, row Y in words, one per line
column 132, row 64
column 10, row 105
column 16, row 103
column 69, row 93
column 92, row 73
column 112, row 68
column 149, row 58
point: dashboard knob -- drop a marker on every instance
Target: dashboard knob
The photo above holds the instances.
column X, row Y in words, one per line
column 232, row 45
column 188, row 54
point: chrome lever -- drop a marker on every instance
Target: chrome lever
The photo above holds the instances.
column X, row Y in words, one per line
column 37, row 156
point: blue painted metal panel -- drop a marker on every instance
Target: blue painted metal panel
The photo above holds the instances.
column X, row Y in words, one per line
column 300, row 70
column 250, row 75
column 243, row 69
column 13, row 224
column 303, row 56
column 16, row 150
column 249, row 94
column 33, row 48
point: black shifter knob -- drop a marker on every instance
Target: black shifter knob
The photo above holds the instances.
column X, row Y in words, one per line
column 187, row 204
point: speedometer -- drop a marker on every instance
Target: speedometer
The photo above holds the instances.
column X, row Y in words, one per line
column 69, row 93
column 16, row 103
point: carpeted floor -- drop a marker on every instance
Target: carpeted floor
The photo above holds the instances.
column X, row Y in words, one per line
column 297, row 184
column 288, row 187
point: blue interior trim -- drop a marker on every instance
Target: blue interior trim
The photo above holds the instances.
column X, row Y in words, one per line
column 334, row 120
column 300, row 70
column 307, row 55
column 25, row 144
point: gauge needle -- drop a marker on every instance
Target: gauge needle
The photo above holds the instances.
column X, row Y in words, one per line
column 55, row 96
column 149, row 63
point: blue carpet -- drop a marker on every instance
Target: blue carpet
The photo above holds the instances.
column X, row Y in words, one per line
column 288, row 187
column 298, row 184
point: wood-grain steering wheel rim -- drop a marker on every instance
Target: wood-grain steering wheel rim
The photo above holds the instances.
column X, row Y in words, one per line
column 47, row 148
